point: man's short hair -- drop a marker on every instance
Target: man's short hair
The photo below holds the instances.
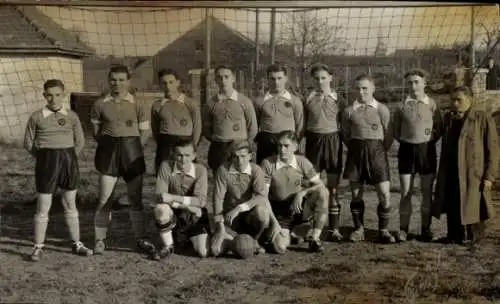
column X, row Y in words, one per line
column 223, row 67
column 237, row 145
column 320, row 67
column 165, row 72
column 364, row 77
column 288, row 134
column 462, row 89
column 53, row 83
column 417, row 72
column 119, row 68
column 183, row 143
column 276, row 68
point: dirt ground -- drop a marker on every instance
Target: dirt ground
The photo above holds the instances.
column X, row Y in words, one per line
column 345, row 273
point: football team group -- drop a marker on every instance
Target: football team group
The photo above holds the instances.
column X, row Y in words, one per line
column 267, row 194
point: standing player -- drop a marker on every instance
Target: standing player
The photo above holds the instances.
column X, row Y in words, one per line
column 417, row 127
column 175, row 117
column 182, row 189
column 277, row 111
column 323, row 141
column 54, row 136
column 240, row 202
column 295, row 186
column 227, row 116
column 121, row 126
column 367, row 131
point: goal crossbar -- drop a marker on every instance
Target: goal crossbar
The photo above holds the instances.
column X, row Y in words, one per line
column 246, row 4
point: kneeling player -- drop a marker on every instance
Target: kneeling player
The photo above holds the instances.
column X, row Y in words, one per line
column 367, row 132
column 54, row 136
column 294, row 185
column 240, row 196
column 182, row 189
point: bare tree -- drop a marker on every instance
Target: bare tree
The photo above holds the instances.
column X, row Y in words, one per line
column 492, row 35
column 312, row 37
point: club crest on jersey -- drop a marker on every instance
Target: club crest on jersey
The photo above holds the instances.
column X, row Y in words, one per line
column 236, row 127
column 297, row 183
column 288, row 104
column 427, row 131
column 183, row 122
column 61, row 121
column 374, row 127
column 130, row 123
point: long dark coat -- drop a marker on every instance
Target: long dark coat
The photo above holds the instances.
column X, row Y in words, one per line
column 478, row 159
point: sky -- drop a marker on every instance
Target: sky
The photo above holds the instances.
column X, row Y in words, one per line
column 145, row 31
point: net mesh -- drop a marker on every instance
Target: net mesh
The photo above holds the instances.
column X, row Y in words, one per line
column 42, row 42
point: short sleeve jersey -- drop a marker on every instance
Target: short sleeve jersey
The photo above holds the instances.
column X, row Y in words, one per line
column 176, row 116
column 174, row 181
column 48, row 130
column 228, row 118
column 120, row 117
column 277, row 113
column 286, row 180
column 322, row 112
column 366, row 121
column 233, row 187
column 414, row 119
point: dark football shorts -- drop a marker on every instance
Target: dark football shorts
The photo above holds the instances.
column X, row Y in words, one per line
column 165, row 145
column 245, row 223
column 417, row 158
column 324, row 151
column 266, row 145
column 286, row 218
column 189, row 225
column 120, row 157
column 367, row 162
column 218, row 154
column 56, row 168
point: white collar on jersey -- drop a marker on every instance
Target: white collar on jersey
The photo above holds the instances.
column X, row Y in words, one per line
column 332, row 94
column 234, row 96
column 424, row 100
column 356, row 104
column 180, row 98
column 293, row 163
column 247, row 170
column 191, row 172
column 129, row 97
column 46, row 112
column 285, row 95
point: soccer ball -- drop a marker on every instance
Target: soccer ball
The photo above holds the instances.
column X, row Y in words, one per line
column 245, row 246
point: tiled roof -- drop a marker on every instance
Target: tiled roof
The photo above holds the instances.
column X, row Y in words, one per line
column 27, row 30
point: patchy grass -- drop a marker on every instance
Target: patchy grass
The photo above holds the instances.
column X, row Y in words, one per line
column 345, row 273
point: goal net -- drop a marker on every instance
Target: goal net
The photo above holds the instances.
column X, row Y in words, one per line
column 78, row 44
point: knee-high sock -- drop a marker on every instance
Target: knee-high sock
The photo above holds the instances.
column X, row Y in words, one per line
column 358, row 213
column 334, row 213
column 384, row 215
column 137, row 218
column 41, row 223
column 101, row 223
column 405, row 211
column 73, row 224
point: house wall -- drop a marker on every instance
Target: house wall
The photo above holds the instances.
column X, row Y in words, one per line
column 21, row 88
